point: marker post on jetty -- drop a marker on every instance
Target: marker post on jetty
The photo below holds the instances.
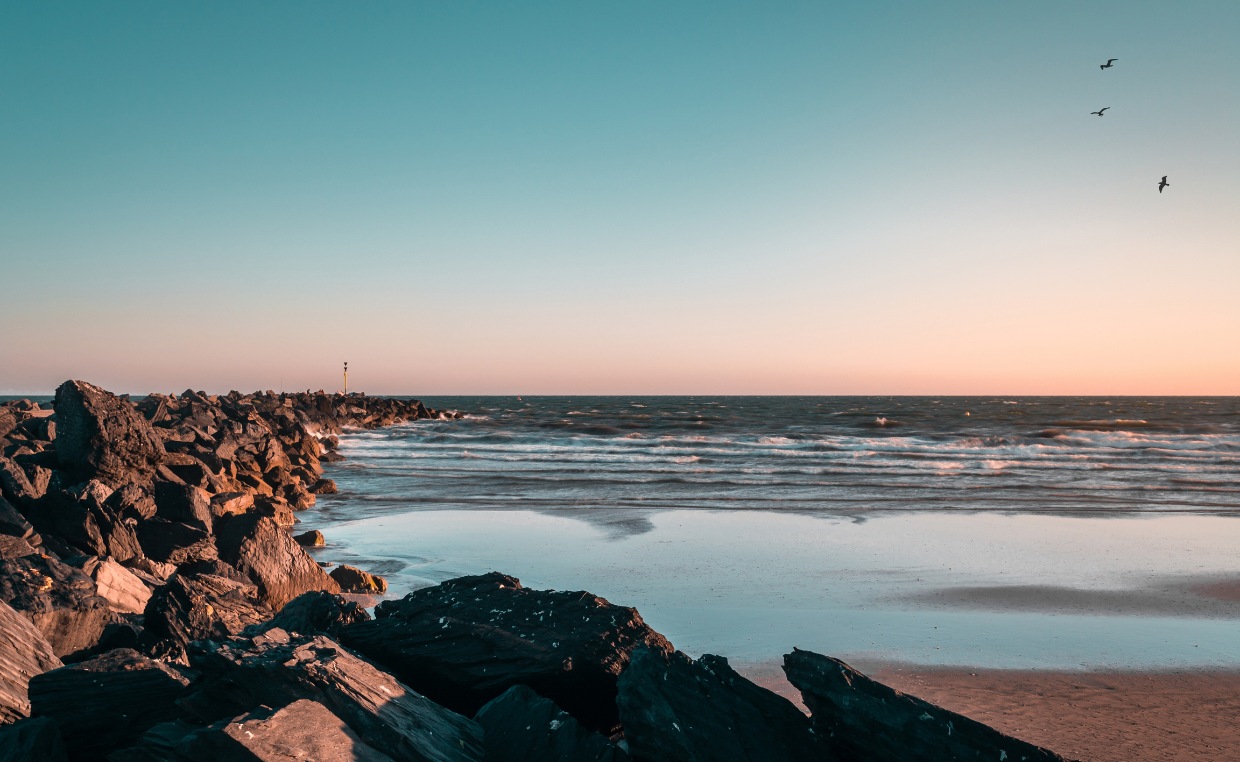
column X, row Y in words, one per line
column 346, row 378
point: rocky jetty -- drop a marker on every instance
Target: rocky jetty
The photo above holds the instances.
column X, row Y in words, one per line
column 154, row 607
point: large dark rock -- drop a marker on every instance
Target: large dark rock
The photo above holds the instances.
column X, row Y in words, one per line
column 466, row 641
column 675, row 709
column 205, row 606
column 15, row 547
column 59, row 600
column 105, row 703
column 313, row 612
column 81, row 516
column 273, row 670
column 302, row 730
column 521, row 726
column 15, row 484
column 172, row 542
column 12, row 522
column 183, row 503
column 281, row 568
column 23, row 654
column 864, row 720
column 99, row 435
column 36, row 740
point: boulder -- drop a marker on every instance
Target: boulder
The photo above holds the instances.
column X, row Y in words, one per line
column 313, row 612
column 23, row 654
column 302, row 730
column 203, row 606
column 276, row 670
column 8, row 421
column 281, row 568
column 16, row 485
column 354, row 580
column 12, row 522
column 277, row 509
column 676, row 709
column 59, row 600
column 123, row 590
column 132, row 501
column 862, row 719
column 466, row 641
column 521, row 726
column 158, row 744
column 80, row 516
column 312, row 539
column 231, row 504
column 155, row 569
column 36, row 740
column 106, row 703
column 183, row 503
column 172, row 542
column 101, row 436
column 15, row 547
column 324, row 487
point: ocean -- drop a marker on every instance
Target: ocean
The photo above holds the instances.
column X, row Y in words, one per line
column 1016, row 532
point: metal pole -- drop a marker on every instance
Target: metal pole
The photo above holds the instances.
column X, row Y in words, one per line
column 346, row 378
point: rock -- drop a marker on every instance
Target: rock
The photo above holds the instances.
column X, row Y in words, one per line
column 324, row 487
column 175, row 543
column 354, row 580
column 157, row 744
column 464, row 642
column 380, row 710
column 281, row 568
column 183, row 503
column 276, row 509
column 12, row 522
column 521, row 726
column 23, row 654
column 36, row 740
column 132, row 501
column 101, row 436
column 231, row 504
column 264, row 735
column 313, row 612
column 15, row 547
column 80, row 516
column 312, row 539
column 8, row 421
column 676, row 709
column 122, row 589
column 59, row 600
column 863, row 719
column 332, row 457
column 200, row 607
column 15, row 484
column 105, row 703
column 156, row 569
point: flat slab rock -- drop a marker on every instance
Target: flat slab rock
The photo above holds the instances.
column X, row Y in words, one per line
column 862, row 719
column 675, row 709
column 275, row 670
column 107, row 702
column 466, row 641
column 36, row 740
column 23, row 654
column 521, row 726
column 57, row 599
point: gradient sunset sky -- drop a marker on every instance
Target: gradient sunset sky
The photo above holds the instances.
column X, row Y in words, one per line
column 621, row 197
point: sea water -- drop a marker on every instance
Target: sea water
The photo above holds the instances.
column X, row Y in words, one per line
column 999, row 532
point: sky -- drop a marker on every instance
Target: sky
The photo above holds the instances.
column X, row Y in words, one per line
column 621, row 198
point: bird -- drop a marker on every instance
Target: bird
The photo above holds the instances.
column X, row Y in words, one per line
column 1110, row 62
column 1099, row 113
column 1163, row 184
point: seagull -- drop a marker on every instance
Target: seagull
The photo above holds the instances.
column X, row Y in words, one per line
column 1109, row 63
column 1099, row 113
column 1163, row 184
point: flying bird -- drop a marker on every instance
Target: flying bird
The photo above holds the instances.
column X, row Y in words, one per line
column 1163, row 184
column 1099, row 113
column 1110, row 62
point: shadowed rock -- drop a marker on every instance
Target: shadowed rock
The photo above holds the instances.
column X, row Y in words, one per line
column 101, row 436
column 862, row 719
column 464, row 642
column 281, row 568
column 23, row 654
column 204, row 606
column 57, row 599
column 521, row 726
column 36, row 740
column 183, row 503
column 275, row 670
column 172, row 542
column 105, row 703
column 264, row 735
column 15, row 547
column 312, row 539
column 313, row 612
column 675, row 709
column 13, row 523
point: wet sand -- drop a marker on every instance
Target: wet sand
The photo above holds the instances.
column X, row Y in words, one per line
column 1085, row 716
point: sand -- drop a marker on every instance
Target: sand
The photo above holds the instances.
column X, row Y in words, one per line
column 1084, row 716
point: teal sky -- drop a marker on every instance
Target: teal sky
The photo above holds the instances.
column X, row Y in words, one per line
column 644, row 198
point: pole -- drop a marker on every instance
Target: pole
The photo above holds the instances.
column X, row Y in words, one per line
column 346, row 378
